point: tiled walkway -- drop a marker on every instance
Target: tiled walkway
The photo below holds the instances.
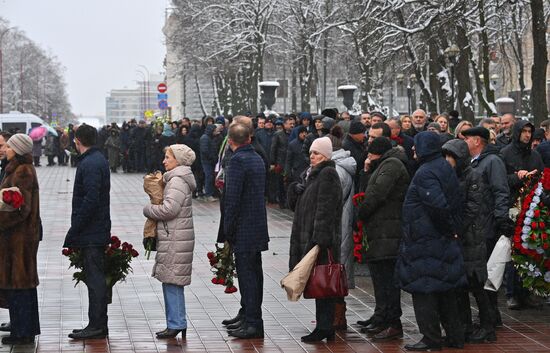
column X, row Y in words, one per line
column 137, row 309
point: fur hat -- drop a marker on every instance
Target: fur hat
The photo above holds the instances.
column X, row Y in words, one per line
column 21, row 144
column 184, row 155
column 322, row 145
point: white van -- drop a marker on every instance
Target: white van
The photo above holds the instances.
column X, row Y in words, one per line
column 23, row 122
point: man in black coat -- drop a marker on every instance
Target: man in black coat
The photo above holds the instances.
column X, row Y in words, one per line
column 381, row 214
column 355, row 143
column 521, row 163
column 279, row 147
column 91, row 227
column 506, row 128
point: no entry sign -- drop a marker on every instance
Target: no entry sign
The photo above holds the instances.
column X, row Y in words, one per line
column 162, row 87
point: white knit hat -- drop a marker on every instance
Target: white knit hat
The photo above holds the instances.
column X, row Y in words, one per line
column 21, row 144
column 184, row 155
column 322, row 145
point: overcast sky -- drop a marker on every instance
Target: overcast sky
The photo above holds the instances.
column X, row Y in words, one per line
column 101, row 43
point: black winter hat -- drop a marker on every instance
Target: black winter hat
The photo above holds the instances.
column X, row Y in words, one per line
column 330, row 112
column 380, row 145
column 477, row 131
column 538, row 134
column 378, row 114
column 356, row 127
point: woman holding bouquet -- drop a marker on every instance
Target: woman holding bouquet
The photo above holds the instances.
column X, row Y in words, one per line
column 19, row 238
column 317, row 204
column 175, row 236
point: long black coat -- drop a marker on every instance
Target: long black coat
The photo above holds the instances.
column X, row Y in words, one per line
column 430, row 259
column 381, row 209
column 90, row 217
column 476, row 217
column 317, row 213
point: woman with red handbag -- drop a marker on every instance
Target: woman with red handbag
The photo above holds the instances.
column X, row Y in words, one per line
column 317, row 204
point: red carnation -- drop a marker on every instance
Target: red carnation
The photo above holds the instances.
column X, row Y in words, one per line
column 17, row 200
column 534, row 225
column 534, row 236
column 65, row 252
column 210, row 255
column 537, row 213
column 542, row 225
column 221, row 281
column 215, row 280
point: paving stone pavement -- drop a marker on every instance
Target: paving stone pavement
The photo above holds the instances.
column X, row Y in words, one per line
column 137, row 310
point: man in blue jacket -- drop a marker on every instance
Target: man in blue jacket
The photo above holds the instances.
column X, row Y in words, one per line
column 91, row 227
column 245, row 227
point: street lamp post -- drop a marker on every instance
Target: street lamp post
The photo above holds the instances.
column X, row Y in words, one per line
column 2, row 71
column 147, row 105
column 142, row 94
column 451, row 54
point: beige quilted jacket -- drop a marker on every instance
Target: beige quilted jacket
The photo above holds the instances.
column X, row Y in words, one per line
column 176, row 234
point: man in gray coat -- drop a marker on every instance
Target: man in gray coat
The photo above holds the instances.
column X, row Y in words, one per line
column 486, row 161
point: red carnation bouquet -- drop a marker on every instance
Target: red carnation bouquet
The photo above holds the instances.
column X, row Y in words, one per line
column 118, row 257
column 222, row 264
column 12, row 199
column 360, row 244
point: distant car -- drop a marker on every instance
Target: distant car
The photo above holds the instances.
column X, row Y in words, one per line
column 21, row 122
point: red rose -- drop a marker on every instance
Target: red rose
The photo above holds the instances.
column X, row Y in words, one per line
column 356, row 237
column 65, row 252
column 545, row 246
column 115, row 245
column 215, row 280
column 210, row 255
column 221, row 281
column 534, row 225
column 544, row 236
column 114, row 239
column 537, row 213
column 542, row 225
column 7, row 196
column 231, row 289
column 134, row 253
column 16, row 200
column 534, row 236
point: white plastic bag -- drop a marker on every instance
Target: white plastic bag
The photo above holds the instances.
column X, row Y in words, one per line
column 502, row 253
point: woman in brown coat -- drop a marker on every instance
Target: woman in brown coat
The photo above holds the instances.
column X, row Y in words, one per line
column 19, row 238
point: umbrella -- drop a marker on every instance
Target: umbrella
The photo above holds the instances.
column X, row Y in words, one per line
column 51, row 130
column 38, row 133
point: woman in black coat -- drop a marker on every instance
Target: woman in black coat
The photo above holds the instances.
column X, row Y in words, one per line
column 317, row 204
column 476, row 215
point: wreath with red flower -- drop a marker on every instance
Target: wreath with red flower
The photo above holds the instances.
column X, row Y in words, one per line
column 360, row 244
column 531, row 240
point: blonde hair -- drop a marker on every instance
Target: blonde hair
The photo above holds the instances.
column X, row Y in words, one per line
column 460, row 125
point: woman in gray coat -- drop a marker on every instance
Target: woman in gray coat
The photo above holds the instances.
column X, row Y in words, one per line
column 176, row 236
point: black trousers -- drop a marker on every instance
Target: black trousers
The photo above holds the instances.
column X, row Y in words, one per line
column 493, row 296
column 94, row 265
column 434, row 308
column 324, row 313
column 486, row 310
column 23, row 308
column 388, row 297
column 251, row 280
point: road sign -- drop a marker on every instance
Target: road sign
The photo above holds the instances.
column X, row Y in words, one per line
column 149, row 114
column 161, row 96
column 163, row 104
column 162, row 87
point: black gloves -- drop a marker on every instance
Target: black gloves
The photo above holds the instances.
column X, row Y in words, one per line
column 299, row 188
column 150, row 244
column 505, row 226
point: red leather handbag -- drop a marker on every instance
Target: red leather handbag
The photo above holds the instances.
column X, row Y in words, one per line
column 327, row 281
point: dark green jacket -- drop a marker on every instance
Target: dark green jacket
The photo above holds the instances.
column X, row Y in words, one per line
column 382, row 207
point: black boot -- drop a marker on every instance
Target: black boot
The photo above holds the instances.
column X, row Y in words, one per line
column 17, row 340
column 483, row 335
column 233, row 320
column 6, row 326
column 171, row 333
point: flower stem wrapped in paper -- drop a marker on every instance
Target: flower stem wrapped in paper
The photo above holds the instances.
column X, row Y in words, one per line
column 11, row 199
column 154, row 187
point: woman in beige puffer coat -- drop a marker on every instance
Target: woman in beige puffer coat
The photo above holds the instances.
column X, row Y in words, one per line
column 176, row 236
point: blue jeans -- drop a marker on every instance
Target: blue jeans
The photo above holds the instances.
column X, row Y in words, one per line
column 174, row 303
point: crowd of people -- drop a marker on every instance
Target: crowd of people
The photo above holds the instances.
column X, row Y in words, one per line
column 437, row 195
